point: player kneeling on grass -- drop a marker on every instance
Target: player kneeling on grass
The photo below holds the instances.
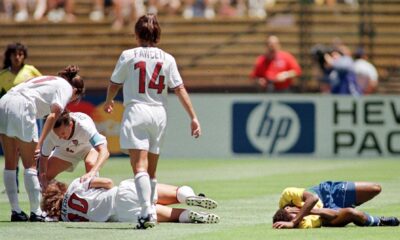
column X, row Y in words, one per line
column 330, row 204
column 97, row 200
column 74, row 137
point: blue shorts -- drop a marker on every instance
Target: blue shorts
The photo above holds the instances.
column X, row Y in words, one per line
column 336, row 194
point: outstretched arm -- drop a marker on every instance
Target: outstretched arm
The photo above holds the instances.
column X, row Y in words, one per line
column 184, row 98
column 101, row 159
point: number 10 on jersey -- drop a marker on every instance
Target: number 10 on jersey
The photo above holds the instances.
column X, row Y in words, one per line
column 153, row 81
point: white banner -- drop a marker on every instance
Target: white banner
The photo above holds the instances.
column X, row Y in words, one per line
column 285, row 125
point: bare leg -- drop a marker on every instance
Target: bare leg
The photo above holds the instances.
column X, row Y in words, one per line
column 365, row 191
column 348, row 215
column 10, row 152
column 55, row 166
column 166, row 194
column 167, row 214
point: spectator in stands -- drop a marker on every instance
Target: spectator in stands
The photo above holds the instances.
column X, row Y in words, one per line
column 340, row 70
column 59, row 10
column 275, row 70
column 14, row 72
column 22, row 6
column 170, row 6
column 366, row 73
column 98, row 12
column 199, row 8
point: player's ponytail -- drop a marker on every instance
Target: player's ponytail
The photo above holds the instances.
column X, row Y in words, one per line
column 70, row 73
column 147, row 29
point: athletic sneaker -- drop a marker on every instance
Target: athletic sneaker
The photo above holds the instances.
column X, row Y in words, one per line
column 18, row 217
column 144, row 223
column 201, row 201
column 37, row 218
column 389, row 221
column 203, row 217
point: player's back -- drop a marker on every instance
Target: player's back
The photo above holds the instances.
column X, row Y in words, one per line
column 44, row 91
column 82, row 204
column 145, row 72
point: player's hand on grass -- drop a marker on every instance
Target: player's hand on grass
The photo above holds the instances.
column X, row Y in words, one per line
column 196, row 129
column 109, row 106
column 283, row 225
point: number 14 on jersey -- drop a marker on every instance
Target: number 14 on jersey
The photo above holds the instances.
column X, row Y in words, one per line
column 153, row 84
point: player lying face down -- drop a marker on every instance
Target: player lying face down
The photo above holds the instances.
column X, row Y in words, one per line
column 328, row 204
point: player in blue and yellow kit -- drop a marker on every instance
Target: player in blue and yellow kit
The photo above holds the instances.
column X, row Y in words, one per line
column 328, row 204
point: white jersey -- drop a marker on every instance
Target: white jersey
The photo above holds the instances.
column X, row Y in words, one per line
column 144, row 72
column 44, row 92
column 82, row 204
column 84, row 137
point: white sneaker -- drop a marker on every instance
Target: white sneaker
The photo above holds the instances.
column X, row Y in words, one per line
column 96, row 15
column 201, row 201
column 209, row 13
column 203, row 217
column 188, row 13
column 21, row 16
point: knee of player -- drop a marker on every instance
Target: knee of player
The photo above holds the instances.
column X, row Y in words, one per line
column 377, row 188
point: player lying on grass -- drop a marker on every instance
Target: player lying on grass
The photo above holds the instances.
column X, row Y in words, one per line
column 98, row 200
column 328, row 204
column 73, row 138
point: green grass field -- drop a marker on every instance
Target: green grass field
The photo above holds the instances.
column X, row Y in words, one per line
column 247, row 191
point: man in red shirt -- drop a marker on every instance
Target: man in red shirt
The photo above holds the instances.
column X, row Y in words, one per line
column 275, row 66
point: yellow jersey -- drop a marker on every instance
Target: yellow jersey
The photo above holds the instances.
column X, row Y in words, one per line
column 9, row 80
column 294, row 197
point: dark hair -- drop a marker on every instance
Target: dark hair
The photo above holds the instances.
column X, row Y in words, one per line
column 70, row 73
column 147, row 29
column 52, row 198
column 281, row 216
column 13, row 48
column 64, row 119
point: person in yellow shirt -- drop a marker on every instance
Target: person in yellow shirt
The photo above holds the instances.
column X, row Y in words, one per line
column 328, row 204
column 15, row 71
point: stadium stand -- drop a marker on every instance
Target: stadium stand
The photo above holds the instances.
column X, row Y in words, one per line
column 217, row 55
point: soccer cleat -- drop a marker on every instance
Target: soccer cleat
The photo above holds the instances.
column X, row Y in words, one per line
column 203, row 217
column 37, row 218
column 201, row 201
column 389, row 221
column 18, row 217
column 145, row 223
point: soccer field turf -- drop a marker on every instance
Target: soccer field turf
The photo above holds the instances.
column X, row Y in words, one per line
column 247, row 191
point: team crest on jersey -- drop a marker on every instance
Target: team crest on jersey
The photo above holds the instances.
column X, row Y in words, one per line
column 75, row 142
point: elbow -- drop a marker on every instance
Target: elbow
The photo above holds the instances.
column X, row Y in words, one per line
column 109, row 183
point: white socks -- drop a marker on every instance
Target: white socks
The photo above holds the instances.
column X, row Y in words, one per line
column 184, row 217
column 32, row 187
column 10, row 183
column 143, row 189
column 184, row 192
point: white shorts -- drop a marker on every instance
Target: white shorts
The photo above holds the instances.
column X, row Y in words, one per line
column 73, row 158
column 143, row 127
column 18, row 117
column 126, row 202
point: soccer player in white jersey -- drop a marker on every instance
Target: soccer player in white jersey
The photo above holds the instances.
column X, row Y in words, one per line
column 74, row 137
column 97, row 200
column 145, row 72
column 19, row 109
